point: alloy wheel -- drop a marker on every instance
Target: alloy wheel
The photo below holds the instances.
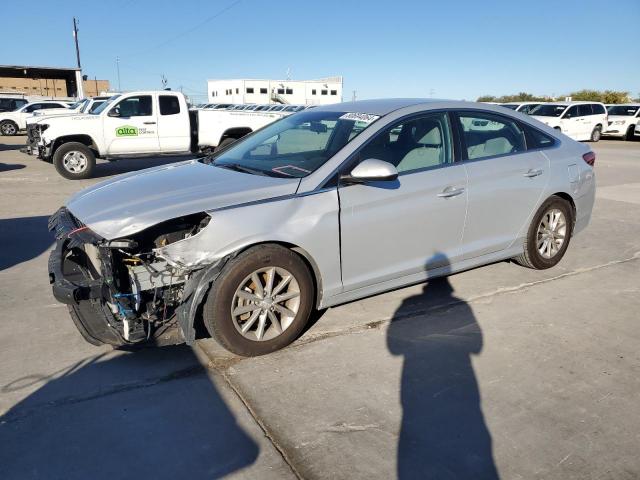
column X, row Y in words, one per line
column 551, row 233
column 8, row 129
column 75, row 162
column 265, row 304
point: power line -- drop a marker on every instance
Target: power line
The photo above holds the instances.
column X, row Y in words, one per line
column 186, row 32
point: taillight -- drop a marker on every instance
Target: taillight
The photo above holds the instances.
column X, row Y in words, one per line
column 590, row 158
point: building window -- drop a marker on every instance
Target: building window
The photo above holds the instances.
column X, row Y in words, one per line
column 237, row 90
column 289, row 91
column 281, row 91
column 334, row 92
column 263, row 90
column 313, row 92
column 323, row 92
column 249, row 90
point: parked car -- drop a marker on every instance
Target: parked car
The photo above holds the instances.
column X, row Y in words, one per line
column 623, row 120
column 578, row 120
column 13, row 122
column 9, row 102
column 140, row 124
column 523, row 107
column 323, row 207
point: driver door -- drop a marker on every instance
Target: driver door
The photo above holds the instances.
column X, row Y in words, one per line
column 402, row 228
column 130, row 126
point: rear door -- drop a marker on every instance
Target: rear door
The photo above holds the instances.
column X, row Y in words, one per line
column 130, row 126
column 505, row 181
column 174, row 131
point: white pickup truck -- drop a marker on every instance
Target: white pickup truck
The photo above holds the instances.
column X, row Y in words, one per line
column 138, row 124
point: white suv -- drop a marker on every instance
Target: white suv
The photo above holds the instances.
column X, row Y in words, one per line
column 12, row 122
column 623, row 120
column 578, row 120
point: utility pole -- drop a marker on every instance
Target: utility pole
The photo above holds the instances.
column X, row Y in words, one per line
column 75, row 37
column 118, row 68
column 354, row 97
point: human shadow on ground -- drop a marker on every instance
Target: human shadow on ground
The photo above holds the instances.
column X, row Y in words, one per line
column 22, row 239
column 151, row 414
column 443, row 433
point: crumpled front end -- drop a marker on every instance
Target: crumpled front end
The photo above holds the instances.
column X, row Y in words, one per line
column 120, row 291
column 36, row 145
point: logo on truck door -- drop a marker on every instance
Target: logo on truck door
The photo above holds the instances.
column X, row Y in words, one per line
column 127, row 131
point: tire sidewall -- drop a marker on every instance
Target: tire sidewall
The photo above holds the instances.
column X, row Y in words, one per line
column 69, row 147
column 217, row 314
column 8, row 122
column 537, row 259
column 596, row 134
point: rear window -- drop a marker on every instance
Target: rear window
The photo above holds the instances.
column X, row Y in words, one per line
column 169, row 105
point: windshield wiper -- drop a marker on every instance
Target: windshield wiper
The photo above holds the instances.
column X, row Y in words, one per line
column 241, row 168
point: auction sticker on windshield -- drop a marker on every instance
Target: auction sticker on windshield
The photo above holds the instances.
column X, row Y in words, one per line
column 360, row 117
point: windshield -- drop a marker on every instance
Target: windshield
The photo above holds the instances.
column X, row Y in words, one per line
column 509, row 105
column 295, row 146
column 625, row 110
column 548, row 110
column 78, row 105
column 106, row 104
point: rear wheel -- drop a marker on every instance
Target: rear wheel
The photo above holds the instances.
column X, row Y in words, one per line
column 548, row 235
column 596, row 133
column 260, row 302
column 74, row 161
column 8, row 128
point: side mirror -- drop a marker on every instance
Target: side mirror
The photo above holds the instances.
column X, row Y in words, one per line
column 371, row 170
column 114, row 112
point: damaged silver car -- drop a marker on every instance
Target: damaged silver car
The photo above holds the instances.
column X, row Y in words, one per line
column 320, row 208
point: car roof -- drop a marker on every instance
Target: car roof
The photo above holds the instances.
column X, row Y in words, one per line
column 375, row 107
column 623, row 104
column 576, row 102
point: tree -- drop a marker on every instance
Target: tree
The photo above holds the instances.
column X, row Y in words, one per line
column 486, row 98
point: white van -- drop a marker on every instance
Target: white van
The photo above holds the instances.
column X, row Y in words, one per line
column 624, row 120
column 578, row 120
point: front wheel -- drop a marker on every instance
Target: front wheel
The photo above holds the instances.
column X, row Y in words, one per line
column 260, row 302
column 596, row 134
column 630, row 135
column 8, row 128
column 548, row 235
column 74, row 161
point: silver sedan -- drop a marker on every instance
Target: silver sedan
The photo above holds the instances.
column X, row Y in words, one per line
column 323, row 207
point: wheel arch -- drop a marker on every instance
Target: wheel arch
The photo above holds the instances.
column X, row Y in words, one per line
column 80, row 138
column 569, row 199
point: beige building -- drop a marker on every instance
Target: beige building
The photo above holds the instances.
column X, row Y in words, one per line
column 49, row 82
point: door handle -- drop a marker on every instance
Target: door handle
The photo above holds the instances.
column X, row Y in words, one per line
column 533, row 173
column 149, row 123
column 451, row 192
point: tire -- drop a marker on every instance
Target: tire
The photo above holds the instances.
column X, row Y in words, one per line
column 532, row 257
column 74, row 161
column 630, row 135
column 596, row 134
column 225, row 143
column 223, row 300
column 8, row 128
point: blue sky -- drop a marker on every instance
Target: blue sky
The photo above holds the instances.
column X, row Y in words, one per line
column 446, row 49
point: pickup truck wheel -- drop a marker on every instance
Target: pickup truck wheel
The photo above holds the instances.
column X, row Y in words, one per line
column 261, row 301
column 74, row 161
column 8, row 128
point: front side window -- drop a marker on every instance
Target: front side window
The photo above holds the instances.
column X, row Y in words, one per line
column 169, row 105
column 295, row 146
column 139, row 106
column 33, row 107
column 487, row 135
column 413, row 144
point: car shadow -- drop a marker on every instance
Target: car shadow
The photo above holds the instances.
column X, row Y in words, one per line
column 107, row 169
column 22, row 239
column 443, row 432
column 103, row 419
column 6, row 167
column 7, row 147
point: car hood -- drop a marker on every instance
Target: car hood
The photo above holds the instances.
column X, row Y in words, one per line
column 132, row 202
column 39, row 118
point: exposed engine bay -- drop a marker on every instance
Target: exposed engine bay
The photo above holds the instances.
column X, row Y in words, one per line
column 123, row 291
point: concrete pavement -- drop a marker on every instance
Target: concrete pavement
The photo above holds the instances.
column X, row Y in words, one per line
column 496, row 372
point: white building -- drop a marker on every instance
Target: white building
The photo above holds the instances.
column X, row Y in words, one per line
column 299, row 92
